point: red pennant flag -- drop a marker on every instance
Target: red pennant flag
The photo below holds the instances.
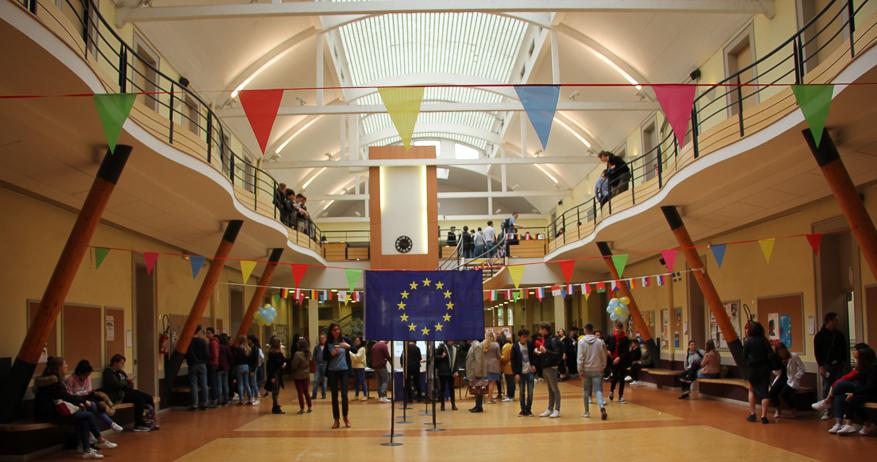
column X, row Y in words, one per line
column 298, row 272
column 676, row 102
column 815, row 241
column 567, row 266
column 669, row 257
column 261, row 107
column 151, row 258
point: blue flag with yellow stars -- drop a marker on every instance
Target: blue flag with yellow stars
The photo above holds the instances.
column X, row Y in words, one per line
column 423, row 305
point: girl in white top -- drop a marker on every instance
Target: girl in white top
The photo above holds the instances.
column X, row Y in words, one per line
column 788, row 381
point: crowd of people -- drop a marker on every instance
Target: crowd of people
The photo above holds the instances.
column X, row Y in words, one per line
column 293, row 210
column 487, row 241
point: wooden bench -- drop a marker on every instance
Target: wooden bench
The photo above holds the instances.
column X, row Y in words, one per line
column 870, row 405
column 662, row 377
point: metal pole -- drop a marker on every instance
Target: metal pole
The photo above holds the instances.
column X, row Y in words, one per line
column 393, row 401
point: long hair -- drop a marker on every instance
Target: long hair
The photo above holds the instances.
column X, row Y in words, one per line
column 83, row 368
column 242, row 343
column 867, row 359
column 488, row 339
column 710, row 346
column 274, row 344
column 329, row 333
column 303, row 347
column 755, row 329
column 53, row 367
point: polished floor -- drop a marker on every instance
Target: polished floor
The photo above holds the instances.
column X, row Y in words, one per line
column 654, row 425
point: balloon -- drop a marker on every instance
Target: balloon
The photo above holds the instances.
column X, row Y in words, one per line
column 624, row 300
column 266, row 315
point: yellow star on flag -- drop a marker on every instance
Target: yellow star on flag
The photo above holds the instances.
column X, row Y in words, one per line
column 438, row 327
column 412, row 327
column 440, row 285
column 426, row 282
column 404, row 317
column 413, row 285
column 447, row 317
column 447, row 294
column 404, row 294
column 425, row 331
column 450, row 305
column 401, row 305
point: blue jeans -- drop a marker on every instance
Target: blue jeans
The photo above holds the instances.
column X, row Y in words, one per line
column 86, row 426
column 97, row 412
column 243, row 373
column 490, row 248
column 840, row 404
column 198, row 383
column 527, row 382
column 593, row 382
column 361, row 384
column 254, row 383
column 479, row 249
column 211, row 380
column 319, row 381
column 222, row 386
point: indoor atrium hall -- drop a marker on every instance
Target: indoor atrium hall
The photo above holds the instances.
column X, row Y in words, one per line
column 396, row 230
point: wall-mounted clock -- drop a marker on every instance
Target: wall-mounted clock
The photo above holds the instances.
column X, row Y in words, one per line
column 404, row 244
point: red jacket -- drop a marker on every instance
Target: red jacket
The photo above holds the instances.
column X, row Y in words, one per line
column 849, row 376
column 214, row 352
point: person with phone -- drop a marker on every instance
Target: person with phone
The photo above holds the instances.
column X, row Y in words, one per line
column 338, row 371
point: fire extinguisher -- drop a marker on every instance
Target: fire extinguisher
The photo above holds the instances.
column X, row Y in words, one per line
column 164, row 339
column 749, row 319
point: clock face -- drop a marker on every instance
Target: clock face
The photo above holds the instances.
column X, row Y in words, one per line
column 404, row 244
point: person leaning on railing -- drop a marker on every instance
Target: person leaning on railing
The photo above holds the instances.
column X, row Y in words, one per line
column 617, row 172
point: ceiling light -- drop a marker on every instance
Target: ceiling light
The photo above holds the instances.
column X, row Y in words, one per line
column 574, row 133
column 242, row 85
column 550, row 176
column 617, row 68
column 312, row 178
column 442, row 173
column 296, row 133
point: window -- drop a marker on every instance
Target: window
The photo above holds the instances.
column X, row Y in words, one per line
column 145, row 76
column 739, row 55
column 821, row 38
column 650, row 154
column 191, row 114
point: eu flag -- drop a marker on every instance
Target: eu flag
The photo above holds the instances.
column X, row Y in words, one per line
column 423, row 305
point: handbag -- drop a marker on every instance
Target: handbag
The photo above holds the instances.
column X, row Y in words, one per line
column 104, row 403
column 65, row 408
column 478, row 387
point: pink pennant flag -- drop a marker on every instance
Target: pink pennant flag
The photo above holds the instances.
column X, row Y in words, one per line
column 150, row 258
column 815, row 241
column 676, row 102
column 298, row 272
column 669, row 257
column 567, row 266
column 260, row 107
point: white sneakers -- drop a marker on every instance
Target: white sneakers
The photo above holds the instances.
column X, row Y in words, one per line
column 621, row 401
column 384, row 399
column 628, row 379
column 821, row 405
column 554, row 415
column 506, row 399
column 834, row 429
column 116, row 427
column 91, row 454
column 547, row 413
column 106, row 444
column 849, row 429
column 586, row 414
column 868, row 429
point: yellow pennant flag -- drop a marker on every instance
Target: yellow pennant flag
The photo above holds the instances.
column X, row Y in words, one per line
column 247, row 267
column 403, row 104
column 767, row 248
column 516, row 272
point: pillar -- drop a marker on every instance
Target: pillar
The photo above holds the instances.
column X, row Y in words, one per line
column 204, row 294
column 638, row 321
column 259, row 293
column 710, row 294
column 848, row 198
column 559, row 313
column 62, row 278
column 313, row 321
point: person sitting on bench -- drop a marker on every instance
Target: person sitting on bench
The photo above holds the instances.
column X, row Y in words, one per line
column 120, row 389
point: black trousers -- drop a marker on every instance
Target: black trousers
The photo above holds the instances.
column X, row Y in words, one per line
column 618, row 371
column 338, row 383
column 446, row 387
column 781, row 392
column 139, row 400
column 413, row 385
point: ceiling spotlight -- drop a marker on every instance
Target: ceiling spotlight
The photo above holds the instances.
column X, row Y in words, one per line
column 574, row 95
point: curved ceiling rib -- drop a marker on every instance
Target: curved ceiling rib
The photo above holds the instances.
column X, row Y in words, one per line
column 467, row 130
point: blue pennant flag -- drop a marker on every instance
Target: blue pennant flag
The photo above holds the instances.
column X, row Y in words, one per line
column 424, row 305
column 197, row 261
column 540, row 102
column 719, row 252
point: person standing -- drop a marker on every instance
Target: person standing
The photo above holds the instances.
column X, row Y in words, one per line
column 213, row 367
column 242, row 353
column 478, row 239
column 591, row 360
column 492, row 358
column 550, row 356
column 320, row 365
column 300, row 366
column 256, row 361
column 507, row 371
column 569, row 352
column 413, row 358
column 357, row 364
column 338, row 371
column 226, row 362
column 274, row 365
column 757, row 357
column 196, row 359
column 489, row 235
column 521, row 361
column 619, row 349
column 446, row 369
column 380, row 356
column 475, row 372
column 466, row 243
column 832, row 353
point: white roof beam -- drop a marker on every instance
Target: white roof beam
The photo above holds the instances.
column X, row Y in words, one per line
column 465, row 130
column 171, row 13
column 578, row 160
column 452, row 195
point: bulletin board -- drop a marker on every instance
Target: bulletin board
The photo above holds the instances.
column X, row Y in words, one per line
column 871, row 312
column 649, row 317
column 81, row 334
column 33, row 307
column 678, row 330
column 177, row 321
column 114, row 333
column 782, row 308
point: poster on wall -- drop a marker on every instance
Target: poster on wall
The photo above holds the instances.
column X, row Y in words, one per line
column 786, row 330
column 110, row 324
column 665, row 328
column 773, row 326
column 732, row 308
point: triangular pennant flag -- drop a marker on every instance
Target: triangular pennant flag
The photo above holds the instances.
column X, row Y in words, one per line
column 815, row 241
column 814, row 100
column 669, row 257
column 676, row 101
column 620, row 261
column 260, row 107
column 567, row 266
column 247, row 267
column 100, row 253
column 540, row 103
column 150, row 258
column 516, row 272
column 719, row 252
column 767, row 248
column 298, row 272
column 515, row 295
column 113, row 109
column 353, row 277
column 403, row 105
column 196, row 261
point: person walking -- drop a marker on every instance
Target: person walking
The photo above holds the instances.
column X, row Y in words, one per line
column 357, row 365
column 549, row 355
column 300, row 366
column 476, row 373
column 338, row 371
column 619, row 349
column 274, row 365
column 320, row 365
column 380, row 357
column 507, row 372
column 591, row 360
column 446, row 369
column 522, row 362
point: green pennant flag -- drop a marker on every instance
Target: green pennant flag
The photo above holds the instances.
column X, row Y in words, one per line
column 814, row 101
column 353, row 277
column 620, row 261
column 516, row 295
column 275, row 300
column 113, row 109
column 99, row 254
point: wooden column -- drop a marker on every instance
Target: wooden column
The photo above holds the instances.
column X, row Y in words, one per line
column 173, row 364
column 848, row 198
column 705, row 283
column 75, row 249
column 259, row 294
column 638, row 320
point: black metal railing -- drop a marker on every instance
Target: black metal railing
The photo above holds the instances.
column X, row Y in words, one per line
column 818, row 40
